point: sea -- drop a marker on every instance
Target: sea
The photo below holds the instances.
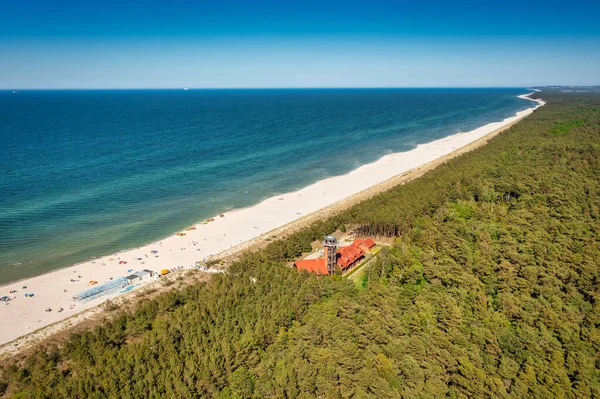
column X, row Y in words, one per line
column 86, row 173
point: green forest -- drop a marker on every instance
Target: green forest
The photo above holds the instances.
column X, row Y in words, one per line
column 489, row 290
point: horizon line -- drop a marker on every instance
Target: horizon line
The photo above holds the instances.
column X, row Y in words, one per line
column 287, row 88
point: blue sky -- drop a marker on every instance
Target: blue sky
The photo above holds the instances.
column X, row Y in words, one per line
column 155, row 44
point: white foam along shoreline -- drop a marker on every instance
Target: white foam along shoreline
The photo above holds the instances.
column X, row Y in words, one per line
column 25, row 315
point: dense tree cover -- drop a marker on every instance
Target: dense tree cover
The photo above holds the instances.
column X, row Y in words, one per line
column 489, row 290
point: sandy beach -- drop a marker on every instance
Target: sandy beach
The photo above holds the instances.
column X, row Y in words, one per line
column 231, row 232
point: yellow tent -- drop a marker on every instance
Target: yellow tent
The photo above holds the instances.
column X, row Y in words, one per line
column 164, row 271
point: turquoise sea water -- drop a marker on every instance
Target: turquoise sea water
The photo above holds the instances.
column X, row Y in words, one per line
column 88, row 173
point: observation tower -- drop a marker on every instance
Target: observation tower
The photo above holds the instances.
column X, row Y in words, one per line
column 330, row 245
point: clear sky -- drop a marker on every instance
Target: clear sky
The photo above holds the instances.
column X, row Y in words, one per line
column 289, row 43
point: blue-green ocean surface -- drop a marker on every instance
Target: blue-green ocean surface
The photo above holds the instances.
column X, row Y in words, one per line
column 88, row 173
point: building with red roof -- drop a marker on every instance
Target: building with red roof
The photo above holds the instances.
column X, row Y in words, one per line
column 365, row 244
column 346, row 257
column 316, row 266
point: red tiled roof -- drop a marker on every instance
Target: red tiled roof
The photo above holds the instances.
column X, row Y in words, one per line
column 367, row 242
column 346, row 256
column 316, row 266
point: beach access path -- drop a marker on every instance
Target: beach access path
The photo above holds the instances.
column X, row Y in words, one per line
column 236, row 231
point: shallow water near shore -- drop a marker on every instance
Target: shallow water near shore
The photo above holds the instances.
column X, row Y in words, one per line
column 88, row 173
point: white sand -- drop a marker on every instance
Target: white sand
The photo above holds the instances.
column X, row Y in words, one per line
column 25, row 315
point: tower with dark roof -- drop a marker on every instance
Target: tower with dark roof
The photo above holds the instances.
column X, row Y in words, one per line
column 330, row 244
